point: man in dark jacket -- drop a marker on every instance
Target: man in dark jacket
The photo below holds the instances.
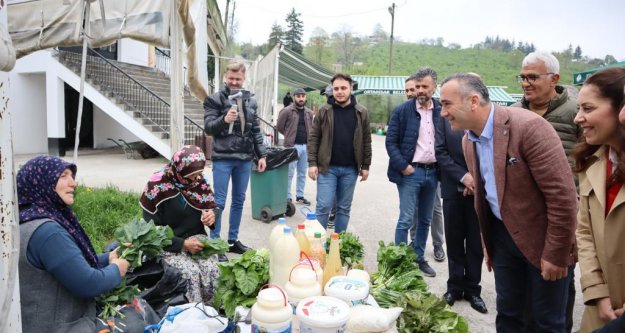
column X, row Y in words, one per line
column 462, row 230
column 540, row 73
column 232, row 152
column 339, row 148
column 412, row 162
column 294, row 122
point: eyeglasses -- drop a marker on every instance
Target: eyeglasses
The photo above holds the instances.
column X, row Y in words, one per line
column 530, row 78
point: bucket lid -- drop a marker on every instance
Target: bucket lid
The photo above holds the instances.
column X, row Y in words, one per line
column 271, row 297
column 322, row 311
column 346, row 288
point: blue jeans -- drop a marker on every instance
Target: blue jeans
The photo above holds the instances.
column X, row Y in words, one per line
column 416, row 195
column 340, row 181
column 301, row 164
column 240, row 172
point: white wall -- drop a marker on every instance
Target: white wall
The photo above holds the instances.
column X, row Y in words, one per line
column 28, row 105
column 133, row 52
column 105, row 127
column 199, row 11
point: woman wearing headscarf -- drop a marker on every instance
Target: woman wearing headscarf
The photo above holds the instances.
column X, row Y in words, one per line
column 600, row 163
column 180, row 197
column 60, row 272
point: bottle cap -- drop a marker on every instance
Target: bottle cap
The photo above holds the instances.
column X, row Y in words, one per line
column 317, row 235
column 311, row 216
column 287, row 229
column 282, row 220
column 335, row 235
column 301, row 226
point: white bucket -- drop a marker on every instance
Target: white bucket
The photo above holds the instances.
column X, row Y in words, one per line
column 352, row 291
column 322, row 314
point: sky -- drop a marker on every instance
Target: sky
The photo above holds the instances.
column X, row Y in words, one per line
column 597, row 26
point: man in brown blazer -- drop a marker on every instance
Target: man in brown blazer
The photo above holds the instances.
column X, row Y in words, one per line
column 525, row 201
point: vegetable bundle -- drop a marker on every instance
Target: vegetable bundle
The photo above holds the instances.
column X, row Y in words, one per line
column 122, row 294
column 138, row 239
column 399, row 283
column 351, row 250
column 211, row 246
column 240, row 280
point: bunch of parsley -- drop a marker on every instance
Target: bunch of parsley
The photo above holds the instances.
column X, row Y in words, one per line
column 240, row 280
column 351, row 250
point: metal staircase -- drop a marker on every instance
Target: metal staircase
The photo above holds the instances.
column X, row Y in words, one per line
column 144, row 92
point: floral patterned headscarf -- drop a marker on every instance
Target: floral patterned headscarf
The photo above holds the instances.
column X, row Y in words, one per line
column 170, row 181
column 37, row 199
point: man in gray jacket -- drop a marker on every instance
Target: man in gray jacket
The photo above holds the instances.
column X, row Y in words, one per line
column 540, row 73
column 294, row 122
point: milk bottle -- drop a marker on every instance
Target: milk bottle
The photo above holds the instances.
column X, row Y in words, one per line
column 283, row 256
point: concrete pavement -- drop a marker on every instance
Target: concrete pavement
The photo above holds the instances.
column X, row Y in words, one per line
column 375, row 210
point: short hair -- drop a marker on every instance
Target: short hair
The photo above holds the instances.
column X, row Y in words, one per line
column 235, row 66
column 470, row 83
column 550, row 61
column 424, row 72
column 342, row 76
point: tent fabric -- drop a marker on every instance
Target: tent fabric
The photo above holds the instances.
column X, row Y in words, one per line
column 580, row 77
column 395, row 85
column 299, row 72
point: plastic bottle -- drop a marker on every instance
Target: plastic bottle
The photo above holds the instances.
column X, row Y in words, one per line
column 313, row 226
column 302, row 239
column 283, row 256
column 333, row 261
column 302, row 283
column 271, row 312
column 277, row 232
column 317, row 251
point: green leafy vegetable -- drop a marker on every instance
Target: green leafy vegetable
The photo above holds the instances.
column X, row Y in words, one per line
column 211, row 246
column 121, row 295
column 351, row 250
column 392, row 260
column 240, row 280
column 145, row 240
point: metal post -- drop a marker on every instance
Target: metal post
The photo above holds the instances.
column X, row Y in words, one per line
column 176, row 119
column 391, row 10
column 83, row 68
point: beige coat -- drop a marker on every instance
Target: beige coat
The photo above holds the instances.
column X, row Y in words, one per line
column 601, row 243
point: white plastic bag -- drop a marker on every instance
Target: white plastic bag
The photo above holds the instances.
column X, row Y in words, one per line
column 367, row 319
column 192, row 317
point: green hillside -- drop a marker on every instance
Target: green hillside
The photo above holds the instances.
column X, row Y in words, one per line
column 497, row 68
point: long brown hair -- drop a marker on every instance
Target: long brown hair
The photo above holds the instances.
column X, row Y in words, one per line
column 610, row 83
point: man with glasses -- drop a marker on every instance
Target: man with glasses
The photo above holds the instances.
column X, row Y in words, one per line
column 541, row 94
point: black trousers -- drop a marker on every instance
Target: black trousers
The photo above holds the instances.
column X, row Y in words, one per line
column 464, row 246
column 517, row 280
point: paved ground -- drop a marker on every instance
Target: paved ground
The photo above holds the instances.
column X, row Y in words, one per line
column 374, row 215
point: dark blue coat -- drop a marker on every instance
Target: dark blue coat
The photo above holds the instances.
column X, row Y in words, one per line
column 402, row 135
column 450, row 160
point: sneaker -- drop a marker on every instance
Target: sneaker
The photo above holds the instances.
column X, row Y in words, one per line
column 303, row 201
column 439, row 253
column 425, row 268
column 237, row 247
column 222, row 257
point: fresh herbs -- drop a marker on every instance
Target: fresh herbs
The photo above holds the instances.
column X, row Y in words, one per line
column 211, row 246
column 351, row 250
column 139, row 239
column 240, row 280
column 399, row 283
column 121, row 295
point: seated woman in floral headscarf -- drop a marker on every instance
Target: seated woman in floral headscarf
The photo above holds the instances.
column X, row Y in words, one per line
column 60, row 272
column 179, row 196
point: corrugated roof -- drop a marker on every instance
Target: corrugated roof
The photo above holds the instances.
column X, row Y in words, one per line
column 580, row 77
column 395, row 85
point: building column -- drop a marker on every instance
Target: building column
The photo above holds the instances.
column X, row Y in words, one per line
column 55, row 104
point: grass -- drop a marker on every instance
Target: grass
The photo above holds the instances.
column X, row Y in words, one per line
column 102, row 210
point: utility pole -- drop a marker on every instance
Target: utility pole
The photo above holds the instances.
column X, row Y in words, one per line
column 391, row 10
column 226, row 17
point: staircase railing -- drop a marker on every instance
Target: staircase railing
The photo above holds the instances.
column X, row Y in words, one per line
column 163, row 64
column 144, row 101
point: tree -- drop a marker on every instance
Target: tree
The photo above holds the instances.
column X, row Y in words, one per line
column 347, row 45
column 578, row 53
column 318, row 41
column 379, row 35
column 294, row 32
column 276, row 35
column 609, row 59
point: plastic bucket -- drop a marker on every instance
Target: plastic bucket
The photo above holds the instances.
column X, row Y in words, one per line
column 322, row 314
